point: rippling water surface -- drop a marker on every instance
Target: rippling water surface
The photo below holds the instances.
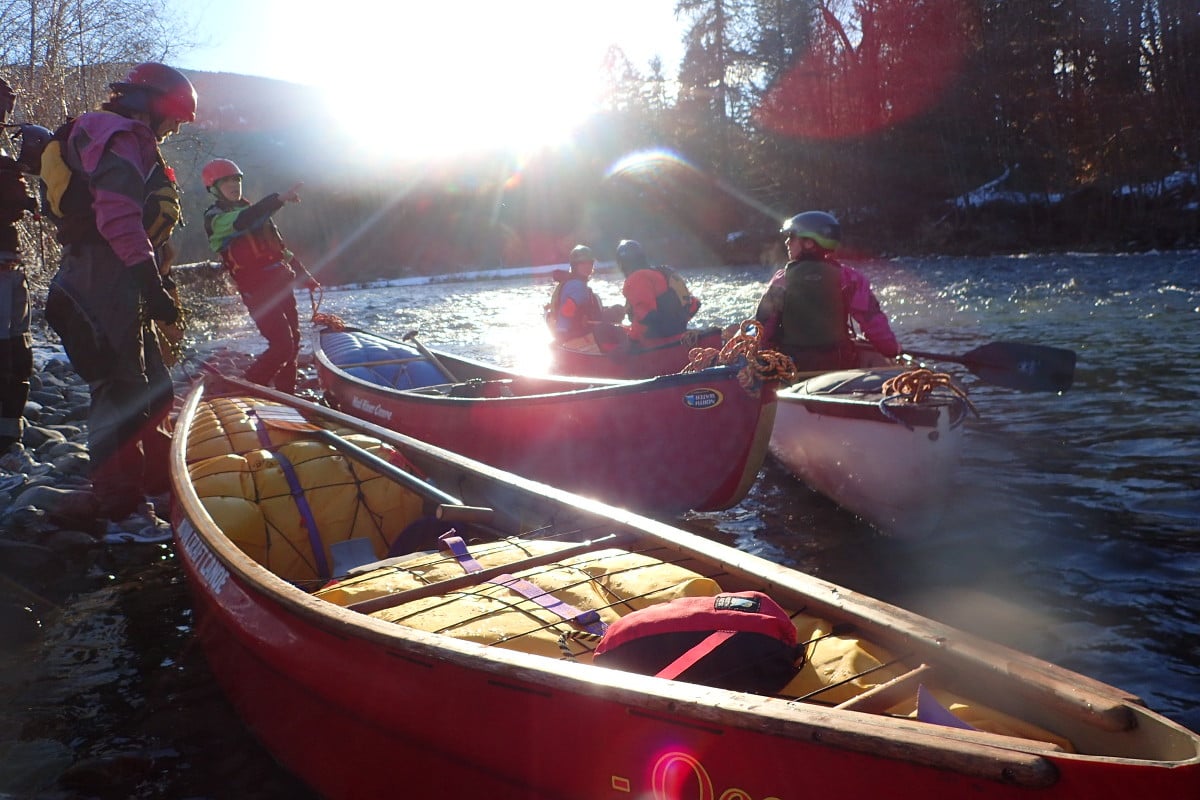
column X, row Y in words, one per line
column 1075, row 534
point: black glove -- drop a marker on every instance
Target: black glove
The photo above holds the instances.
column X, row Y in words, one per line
column 159, row 305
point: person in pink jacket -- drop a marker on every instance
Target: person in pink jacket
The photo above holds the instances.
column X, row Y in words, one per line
column 810, row 306
column 113, row 199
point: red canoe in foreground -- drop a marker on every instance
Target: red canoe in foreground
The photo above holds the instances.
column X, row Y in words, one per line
column 639, row 362
column 467, row 672
column 665, row 445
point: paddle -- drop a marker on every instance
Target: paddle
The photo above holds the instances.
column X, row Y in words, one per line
column 1017, row 365
column 411, row 336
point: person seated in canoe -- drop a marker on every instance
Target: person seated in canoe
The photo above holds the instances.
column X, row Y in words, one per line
column 575, row 312
column 263, row 268
column 810, row 306
column 657, row 299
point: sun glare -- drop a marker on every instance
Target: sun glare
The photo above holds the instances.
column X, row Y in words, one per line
column 419, row 82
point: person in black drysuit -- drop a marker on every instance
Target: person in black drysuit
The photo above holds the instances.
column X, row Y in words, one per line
column 16, row 342
column 113, row 215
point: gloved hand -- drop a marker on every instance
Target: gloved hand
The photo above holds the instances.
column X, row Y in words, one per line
column 159, row 304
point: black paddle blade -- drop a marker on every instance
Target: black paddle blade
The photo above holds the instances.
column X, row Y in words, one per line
column 1017, row 365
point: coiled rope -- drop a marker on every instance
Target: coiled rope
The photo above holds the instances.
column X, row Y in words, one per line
column 916, row 385
column 330, row 322
column 758, row 366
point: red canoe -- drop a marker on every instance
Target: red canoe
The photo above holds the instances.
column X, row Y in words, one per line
column 639, row 362
column 670, row 444
column 467, row 672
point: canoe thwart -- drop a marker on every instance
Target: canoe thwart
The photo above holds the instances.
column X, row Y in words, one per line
column 483, row 575
column 886, row 695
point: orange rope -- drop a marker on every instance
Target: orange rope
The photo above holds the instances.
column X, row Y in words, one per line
column 329, row 321
column 743, row 346
column 915, row 385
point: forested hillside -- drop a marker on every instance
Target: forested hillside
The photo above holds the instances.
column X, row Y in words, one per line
column 926, row 125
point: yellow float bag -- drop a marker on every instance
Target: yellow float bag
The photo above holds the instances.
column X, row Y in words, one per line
column 245, row 491
column 610, row 582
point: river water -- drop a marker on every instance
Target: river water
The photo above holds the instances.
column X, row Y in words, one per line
column 1074, row 534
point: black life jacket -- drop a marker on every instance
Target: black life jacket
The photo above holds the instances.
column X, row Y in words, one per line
column 162, row 211
column 814, row 314
column 674, row 307
column 248, row 254
column 68, row 201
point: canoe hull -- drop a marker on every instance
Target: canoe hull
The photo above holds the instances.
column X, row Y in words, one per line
column 892, row 466
column 671, row 444
column 361, row 708
column 662, row 359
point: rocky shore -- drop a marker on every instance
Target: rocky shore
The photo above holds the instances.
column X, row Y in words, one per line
column 102, row 693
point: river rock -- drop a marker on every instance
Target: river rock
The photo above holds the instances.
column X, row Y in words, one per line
column 36, row 436
column 62, row 505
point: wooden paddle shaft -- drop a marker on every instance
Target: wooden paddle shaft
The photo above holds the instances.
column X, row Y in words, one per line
column 411, row 336
column 382, row 362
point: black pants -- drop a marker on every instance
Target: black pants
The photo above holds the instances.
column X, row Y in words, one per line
column 275, row 314
column 93, row 305
column 16, row 353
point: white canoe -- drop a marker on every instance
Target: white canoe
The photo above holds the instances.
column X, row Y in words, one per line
column 888, row 460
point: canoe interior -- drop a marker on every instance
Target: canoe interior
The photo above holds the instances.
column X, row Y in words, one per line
column 336, row 522
column 857, row 394
column 662, row 445
column 639, row 362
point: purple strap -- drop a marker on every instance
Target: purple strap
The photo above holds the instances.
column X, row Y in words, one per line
column 306, row 515
column 588, row 620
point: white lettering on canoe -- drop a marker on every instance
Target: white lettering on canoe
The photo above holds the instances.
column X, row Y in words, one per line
column 211, row 570
column 369, row 407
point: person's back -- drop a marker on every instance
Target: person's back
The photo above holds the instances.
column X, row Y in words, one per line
column 657, row 299
column 808, row 306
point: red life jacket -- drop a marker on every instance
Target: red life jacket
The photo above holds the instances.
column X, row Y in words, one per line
column 578, row 326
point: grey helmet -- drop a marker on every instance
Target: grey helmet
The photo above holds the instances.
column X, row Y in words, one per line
column 631, row 257
column 822, row 228
column 579, row 254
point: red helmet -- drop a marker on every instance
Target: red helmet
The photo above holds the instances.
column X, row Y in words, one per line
column 217, row 169
column 158, row 90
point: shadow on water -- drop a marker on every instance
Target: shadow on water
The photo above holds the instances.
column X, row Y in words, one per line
column 115, row 700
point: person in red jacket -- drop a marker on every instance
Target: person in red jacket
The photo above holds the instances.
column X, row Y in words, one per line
column 263, row 268
column 808, row 308
column 657, row 300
